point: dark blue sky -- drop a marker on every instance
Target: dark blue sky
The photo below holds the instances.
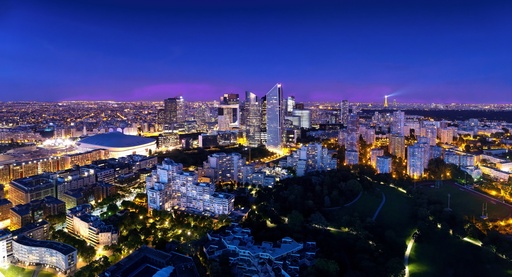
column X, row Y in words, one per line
column 422, row 51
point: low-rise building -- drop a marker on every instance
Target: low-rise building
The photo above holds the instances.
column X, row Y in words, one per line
column 24, row 190
column 59, row 256
column 5, row 209
column 250, row 259
column 81, row 223
column 147, row 261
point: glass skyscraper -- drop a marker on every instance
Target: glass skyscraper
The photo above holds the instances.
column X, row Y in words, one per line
column 275, row 118
column 253, row 119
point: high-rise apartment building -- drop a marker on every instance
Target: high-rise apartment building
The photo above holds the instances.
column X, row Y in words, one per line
column 275, row 118
column 397, row 146
column 415, row 161
column 169, row 187
column 397, row 123
column 226, row 166
column 383, row 164
column 353, row 132
column 344, row 112
column 374, row 153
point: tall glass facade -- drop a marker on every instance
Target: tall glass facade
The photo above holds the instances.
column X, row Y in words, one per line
column 275, row 118
column 253, row 119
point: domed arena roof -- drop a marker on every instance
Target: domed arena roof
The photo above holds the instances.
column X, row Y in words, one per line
column 116, row 140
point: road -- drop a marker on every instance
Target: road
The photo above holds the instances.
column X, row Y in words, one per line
column 380, row 207
column 484, row 195
column 406, row 256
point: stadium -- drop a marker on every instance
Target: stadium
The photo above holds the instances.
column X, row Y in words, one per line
column 118, row 144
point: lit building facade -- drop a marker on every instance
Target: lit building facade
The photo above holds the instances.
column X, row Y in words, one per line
column 384, row 164
column 252, row 119
column 374, row 153
column 344, row 112
column 397, row 146
column 169, row 187
column 415, row 161
column 351, row 157
column 81, row 223
column 275, row 118
column 57, row 255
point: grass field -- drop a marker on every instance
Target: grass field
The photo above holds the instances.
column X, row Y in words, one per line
column 450, row 256
column 396, row 213
column 15, row 271
column 43, row 273
column 366, row 206
column 465, row 203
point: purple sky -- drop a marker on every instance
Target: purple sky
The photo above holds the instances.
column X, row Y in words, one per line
column 419, row 51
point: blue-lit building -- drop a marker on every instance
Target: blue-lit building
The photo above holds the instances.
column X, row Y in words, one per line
column 275, row 118
column 415, row 160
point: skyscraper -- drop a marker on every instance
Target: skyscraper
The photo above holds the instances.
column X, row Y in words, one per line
column 170, row 113
column 352, row 132
column 290, row 105
column 385, row 101
column 275, row 117
column 344, row 112
column 262, row 136
column 229, row 112
column 252, row 119
column 180, row 109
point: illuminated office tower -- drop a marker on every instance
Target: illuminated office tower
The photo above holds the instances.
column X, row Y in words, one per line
column 385, row 101
column 252, row 119
column 275, row 117
column 304, row 118
column 415, row 161
column 290, row 105
column 180, row 109
column 262, row 136
column 229, row 112
column 170, row 114
column 344, row 112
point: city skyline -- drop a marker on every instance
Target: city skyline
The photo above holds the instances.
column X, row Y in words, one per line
column 426, row 51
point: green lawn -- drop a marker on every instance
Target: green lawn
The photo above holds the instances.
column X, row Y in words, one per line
column 43, row 273
column 396, row 213
column 465, row 203
column 449, row 256
column 365, row 207
column 15, row 271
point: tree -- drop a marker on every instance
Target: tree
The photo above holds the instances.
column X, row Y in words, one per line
column 112, row 208
column 318, row 219
column 351, row 189
column 295, row 220
column 87, row 253
column 325, row 268
column 437, row 169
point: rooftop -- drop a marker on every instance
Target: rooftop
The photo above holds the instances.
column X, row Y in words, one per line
column 63, row 248
column 116, row 139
